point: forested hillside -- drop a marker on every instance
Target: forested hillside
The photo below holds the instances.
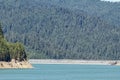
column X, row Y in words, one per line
column 63, row 29
column 9, row 51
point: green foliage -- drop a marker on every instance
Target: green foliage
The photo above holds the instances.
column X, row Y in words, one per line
column 60, row 29
column 10, row 51
column 17, row 51
column 4, row 50
column 1, row 32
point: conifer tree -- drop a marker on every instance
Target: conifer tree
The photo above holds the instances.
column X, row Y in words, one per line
column 9, row 51
column 1, row 32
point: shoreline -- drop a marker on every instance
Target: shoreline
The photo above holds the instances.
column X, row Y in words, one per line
column 27, row 64
column 15, row 65
column 70, row 61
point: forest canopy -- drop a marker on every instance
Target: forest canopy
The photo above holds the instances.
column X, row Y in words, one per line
column 63, row 29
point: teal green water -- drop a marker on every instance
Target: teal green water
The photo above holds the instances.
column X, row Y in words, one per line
column 62, row 72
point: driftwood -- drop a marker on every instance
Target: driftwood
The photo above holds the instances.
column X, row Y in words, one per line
column 113, row 63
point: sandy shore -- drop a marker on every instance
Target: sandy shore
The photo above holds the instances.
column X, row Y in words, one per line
column 68, row 61
column 13, row 64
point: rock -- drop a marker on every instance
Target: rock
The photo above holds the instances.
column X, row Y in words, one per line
column 15, row 64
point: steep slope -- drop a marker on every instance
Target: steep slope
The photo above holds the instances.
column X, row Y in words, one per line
column 60, row 31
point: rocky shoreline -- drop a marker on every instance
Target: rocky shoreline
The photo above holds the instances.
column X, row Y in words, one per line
column 15, row 64
column 27, row 64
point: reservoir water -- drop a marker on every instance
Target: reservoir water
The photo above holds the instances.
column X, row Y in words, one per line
column 62, row 72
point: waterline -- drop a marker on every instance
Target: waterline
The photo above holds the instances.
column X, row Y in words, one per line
column 69, row 61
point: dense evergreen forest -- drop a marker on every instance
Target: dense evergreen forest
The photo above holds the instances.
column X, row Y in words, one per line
column 63, row 29
column 9, row 51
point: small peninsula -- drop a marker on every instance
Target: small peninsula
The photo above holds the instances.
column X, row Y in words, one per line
column 12, row 55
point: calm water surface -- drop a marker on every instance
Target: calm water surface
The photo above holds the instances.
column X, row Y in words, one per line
column 62, row 72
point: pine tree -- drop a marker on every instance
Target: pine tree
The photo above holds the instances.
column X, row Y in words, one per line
column 9, row 51
column 1, row 32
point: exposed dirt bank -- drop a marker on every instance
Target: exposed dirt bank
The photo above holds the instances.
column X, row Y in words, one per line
column 70, row 61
